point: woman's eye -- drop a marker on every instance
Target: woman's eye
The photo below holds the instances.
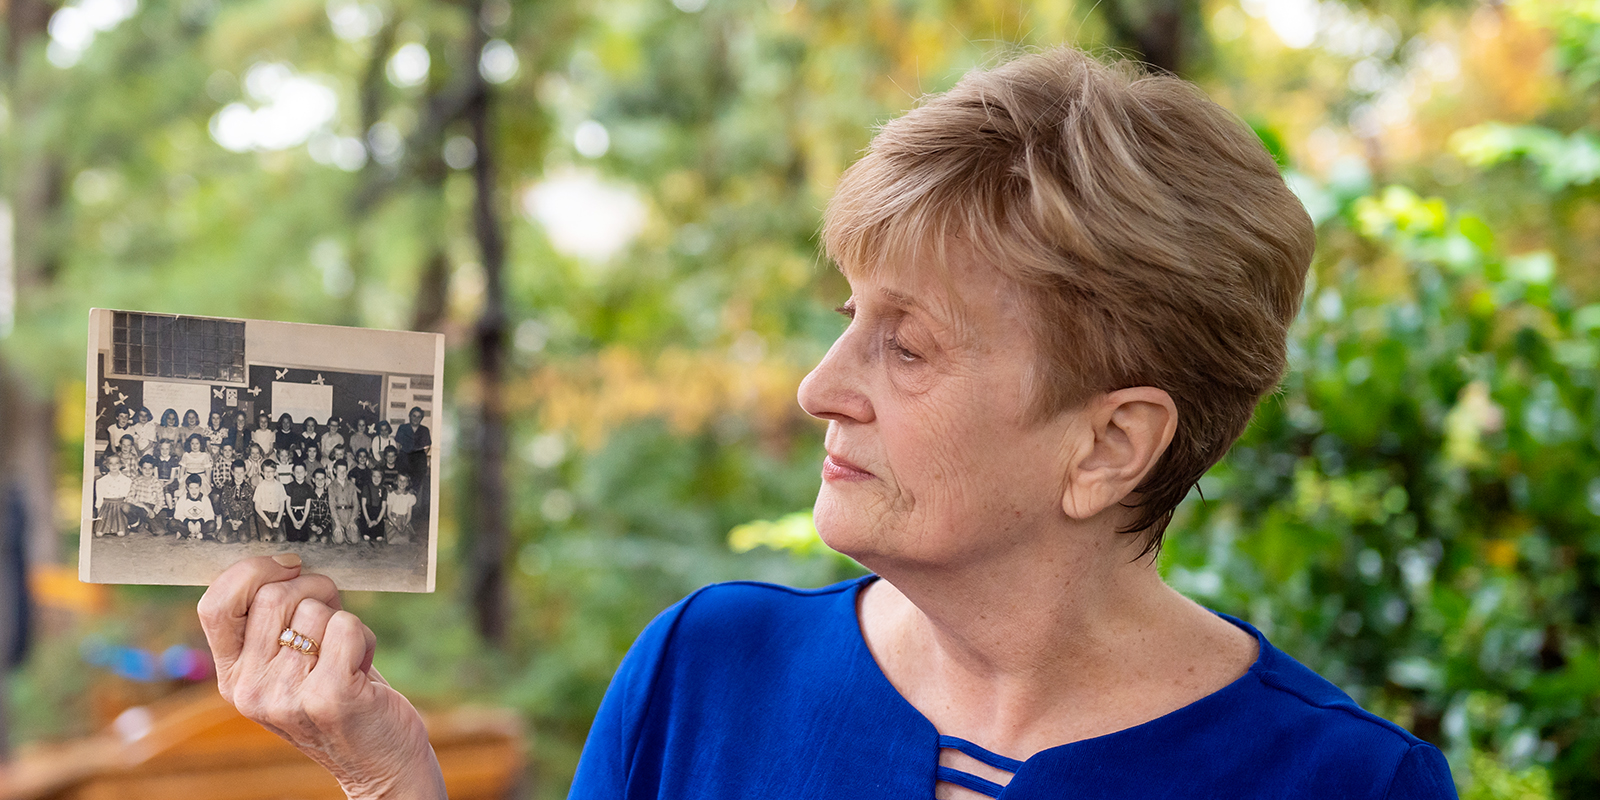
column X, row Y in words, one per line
column 899, row 350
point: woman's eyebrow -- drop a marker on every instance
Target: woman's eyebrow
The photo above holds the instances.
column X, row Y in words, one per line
column 941, row 315
column 901, row 299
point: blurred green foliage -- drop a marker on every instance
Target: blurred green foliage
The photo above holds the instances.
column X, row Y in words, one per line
column 1413, row 515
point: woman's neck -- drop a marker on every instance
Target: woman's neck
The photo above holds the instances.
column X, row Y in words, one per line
column 1028, row 650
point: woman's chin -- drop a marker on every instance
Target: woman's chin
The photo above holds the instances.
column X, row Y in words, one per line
column 842, row 529
column 865, row 538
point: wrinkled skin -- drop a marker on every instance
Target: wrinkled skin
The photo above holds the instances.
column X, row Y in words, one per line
column 333, row 706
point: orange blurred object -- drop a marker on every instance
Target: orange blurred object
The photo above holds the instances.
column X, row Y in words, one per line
column 57, row 586
column 194, row 745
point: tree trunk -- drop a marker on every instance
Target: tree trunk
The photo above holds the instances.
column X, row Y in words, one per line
column 433, row 286
column 432, row 292
column 1158, row 31
column 486, row 568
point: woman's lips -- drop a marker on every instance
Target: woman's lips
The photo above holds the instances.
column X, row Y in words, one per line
column 837, row 469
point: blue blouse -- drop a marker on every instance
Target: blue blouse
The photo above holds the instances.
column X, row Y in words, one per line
column 749, row 690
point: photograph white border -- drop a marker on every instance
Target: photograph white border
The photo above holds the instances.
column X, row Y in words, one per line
column 341, row 342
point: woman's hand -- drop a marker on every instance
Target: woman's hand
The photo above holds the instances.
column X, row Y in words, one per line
column 333, row 706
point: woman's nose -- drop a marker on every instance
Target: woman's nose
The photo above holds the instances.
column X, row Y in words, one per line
column 835, row 388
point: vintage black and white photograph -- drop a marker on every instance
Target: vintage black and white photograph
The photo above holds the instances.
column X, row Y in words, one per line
column 210, row 440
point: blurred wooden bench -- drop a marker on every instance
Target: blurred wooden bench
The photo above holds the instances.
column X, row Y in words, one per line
column 194, row 745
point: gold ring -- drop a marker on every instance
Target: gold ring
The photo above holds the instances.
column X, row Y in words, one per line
column 298, row 641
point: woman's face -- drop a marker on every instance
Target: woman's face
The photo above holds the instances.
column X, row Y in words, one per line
column 932, row 458
column 191, row 419
column 216, row 420
column 169, row 417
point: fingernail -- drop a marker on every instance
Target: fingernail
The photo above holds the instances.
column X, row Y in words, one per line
column 288, row 560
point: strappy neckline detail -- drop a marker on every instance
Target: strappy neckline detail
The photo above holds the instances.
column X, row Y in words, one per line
column 992, row 759
column 967, row 779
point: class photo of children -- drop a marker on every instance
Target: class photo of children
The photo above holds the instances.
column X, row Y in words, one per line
column 209, row 440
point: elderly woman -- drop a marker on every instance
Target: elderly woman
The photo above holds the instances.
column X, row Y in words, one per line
column 1070, row 284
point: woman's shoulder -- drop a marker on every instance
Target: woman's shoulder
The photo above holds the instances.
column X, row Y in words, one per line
column 740, row 608
column 1280, row 730
column 762, row 592
column 742, row 689
column 1290, row 687
column 739, row 627
column 757, row 621
column 1307, row 737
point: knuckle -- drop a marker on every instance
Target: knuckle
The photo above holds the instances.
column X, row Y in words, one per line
column 273, row 594
column 324, row 587
column 321, row 583
column 345, row 623
column 309, row 605
column 210, row 609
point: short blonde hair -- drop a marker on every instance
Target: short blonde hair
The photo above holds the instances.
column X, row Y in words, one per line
column 1151, row 233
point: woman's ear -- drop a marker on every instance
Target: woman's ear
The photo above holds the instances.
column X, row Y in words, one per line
column 1127, row 432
